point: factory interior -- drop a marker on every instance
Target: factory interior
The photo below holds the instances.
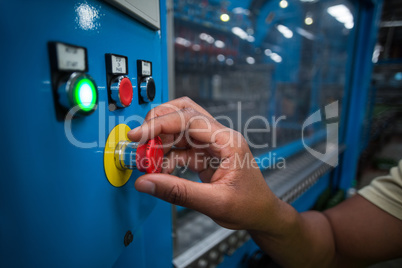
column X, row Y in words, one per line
column 313, row 86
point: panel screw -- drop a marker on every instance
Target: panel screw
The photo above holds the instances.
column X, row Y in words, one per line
column 128, row 238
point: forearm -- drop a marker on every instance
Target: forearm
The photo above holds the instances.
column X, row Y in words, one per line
column 297, row 240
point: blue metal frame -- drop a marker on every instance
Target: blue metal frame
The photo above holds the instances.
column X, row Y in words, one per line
column 289, row 149
column 369, row 14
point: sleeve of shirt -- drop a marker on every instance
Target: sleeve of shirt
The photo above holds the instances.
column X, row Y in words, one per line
column 386, row 192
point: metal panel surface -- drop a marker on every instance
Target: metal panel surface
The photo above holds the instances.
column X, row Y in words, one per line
column 146, row 11
column 57, row 209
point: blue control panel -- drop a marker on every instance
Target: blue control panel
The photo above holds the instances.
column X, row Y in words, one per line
column 57, row 207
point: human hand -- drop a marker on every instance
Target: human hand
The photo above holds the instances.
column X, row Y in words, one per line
column 233, row 193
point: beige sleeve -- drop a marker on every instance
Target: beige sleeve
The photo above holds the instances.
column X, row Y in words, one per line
column 386, row 192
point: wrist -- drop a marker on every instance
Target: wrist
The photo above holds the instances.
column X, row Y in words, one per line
column 279, row 220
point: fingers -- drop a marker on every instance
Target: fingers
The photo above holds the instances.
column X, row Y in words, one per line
column 166, row 141
column 169, row 107
column 196, row 160
column 198, row 196
column 197, row 129
column 174, row 106
column 206, row 174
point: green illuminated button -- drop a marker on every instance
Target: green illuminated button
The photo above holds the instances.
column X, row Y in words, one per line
column 79, row 94
column 85, row 95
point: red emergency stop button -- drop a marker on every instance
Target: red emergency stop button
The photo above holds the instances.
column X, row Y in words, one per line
column 146, row 157
column 150, row 156
column 122, row 91
column 126, row 91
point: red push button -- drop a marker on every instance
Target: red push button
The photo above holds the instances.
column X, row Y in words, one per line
column 121, row 91
column 125, row 91
column 146, row 157
column 150, row 156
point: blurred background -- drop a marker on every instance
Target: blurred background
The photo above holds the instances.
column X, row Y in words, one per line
column 239, row 59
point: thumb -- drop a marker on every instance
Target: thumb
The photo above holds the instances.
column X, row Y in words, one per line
column 194, row 195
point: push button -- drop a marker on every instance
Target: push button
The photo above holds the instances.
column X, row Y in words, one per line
column 119, row 86
column 146, row 84
column 122, row 156
column 122, row 91
column 74, row 91
column 79, row 93
column 146, row 157
column 147, row 88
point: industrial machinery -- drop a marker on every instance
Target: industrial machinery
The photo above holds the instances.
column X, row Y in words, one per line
column 78, row 75
column 272, row 66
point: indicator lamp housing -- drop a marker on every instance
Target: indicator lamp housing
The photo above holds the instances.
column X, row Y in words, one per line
column 78, row 94
column 74, row 91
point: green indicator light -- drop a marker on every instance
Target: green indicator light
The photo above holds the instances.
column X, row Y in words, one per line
column 85, row 94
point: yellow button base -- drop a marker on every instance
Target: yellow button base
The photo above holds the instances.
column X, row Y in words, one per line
column 115, row 176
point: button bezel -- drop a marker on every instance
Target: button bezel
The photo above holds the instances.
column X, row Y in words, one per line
column 147, row 88
column 115, row 91
column 113, row 77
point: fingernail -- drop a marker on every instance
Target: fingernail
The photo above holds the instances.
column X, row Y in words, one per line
column 146, row 187
column 134, row 130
